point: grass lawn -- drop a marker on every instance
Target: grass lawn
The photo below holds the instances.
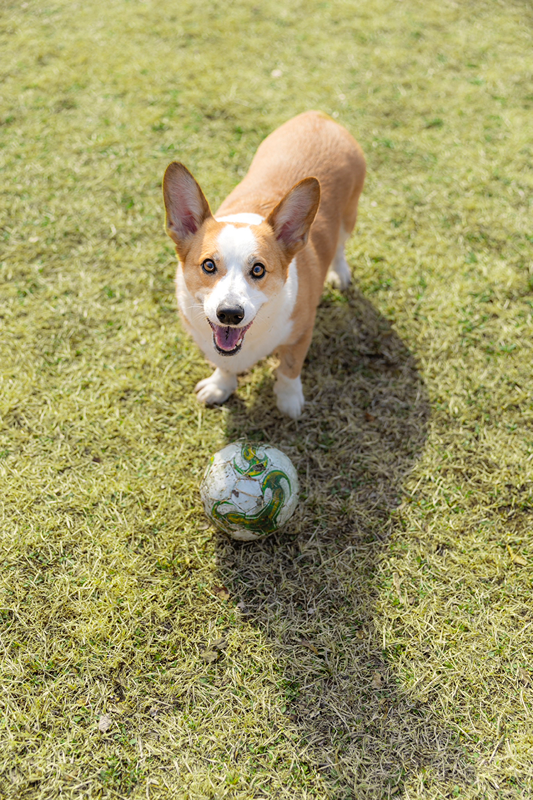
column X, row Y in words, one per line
column 381, row 646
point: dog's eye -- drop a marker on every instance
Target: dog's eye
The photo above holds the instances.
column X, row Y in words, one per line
column 258, row 270
column 209, row 266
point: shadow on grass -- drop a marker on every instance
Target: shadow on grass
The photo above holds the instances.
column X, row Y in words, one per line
column 315, row 588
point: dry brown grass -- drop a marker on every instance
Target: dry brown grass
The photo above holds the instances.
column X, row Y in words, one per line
column 381, row 645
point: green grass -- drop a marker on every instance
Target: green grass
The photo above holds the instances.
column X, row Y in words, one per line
column 381, row 646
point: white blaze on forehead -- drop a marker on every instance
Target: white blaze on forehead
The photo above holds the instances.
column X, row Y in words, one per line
column 236, row 246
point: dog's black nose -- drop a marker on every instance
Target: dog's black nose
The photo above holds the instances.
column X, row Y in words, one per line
column 230, row 316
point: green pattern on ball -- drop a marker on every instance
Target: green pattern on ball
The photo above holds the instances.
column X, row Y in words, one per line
column 256, row 465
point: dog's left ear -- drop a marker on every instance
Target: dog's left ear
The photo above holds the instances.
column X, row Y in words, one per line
column 293, row 216
column 185, row 204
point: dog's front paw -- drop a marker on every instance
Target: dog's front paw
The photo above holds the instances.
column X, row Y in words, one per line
column 217, row 388
column 290, row 395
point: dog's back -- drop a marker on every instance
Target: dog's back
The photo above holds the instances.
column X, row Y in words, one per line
column 310, row 144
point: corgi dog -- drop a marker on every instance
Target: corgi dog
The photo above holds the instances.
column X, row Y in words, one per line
column 250, row 277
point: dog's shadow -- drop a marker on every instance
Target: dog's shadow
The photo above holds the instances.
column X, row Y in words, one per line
column 314, row 589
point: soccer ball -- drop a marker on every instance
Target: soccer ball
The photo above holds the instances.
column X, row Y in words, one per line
column 249, row 490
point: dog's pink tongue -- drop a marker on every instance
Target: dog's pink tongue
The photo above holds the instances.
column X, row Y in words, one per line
column 227, row 338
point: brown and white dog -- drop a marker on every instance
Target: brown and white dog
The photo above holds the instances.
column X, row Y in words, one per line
column 250, row 277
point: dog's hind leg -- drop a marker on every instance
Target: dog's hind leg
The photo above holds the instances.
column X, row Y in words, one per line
column 339, row 272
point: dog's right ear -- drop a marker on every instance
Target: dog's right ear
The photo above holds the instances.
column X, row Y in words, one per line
column 185, row 204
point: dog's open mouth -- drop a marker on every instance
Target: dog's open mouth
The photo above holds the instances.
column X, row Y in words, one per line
column 227, row 339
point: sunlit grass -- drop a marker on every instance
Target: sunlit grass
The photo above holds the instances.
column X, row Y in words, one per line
column 381, row 646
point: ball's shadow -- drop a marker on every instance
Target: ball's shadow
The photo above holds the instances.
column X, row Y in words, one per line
column 314, row 589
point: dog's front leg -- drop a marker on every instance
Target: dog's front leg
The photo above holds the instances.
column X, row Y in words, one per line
column 217, row 388
column 288, row 385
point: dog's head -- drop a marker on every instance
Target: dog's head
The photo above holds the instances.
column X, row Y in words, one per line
column 233, row 268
